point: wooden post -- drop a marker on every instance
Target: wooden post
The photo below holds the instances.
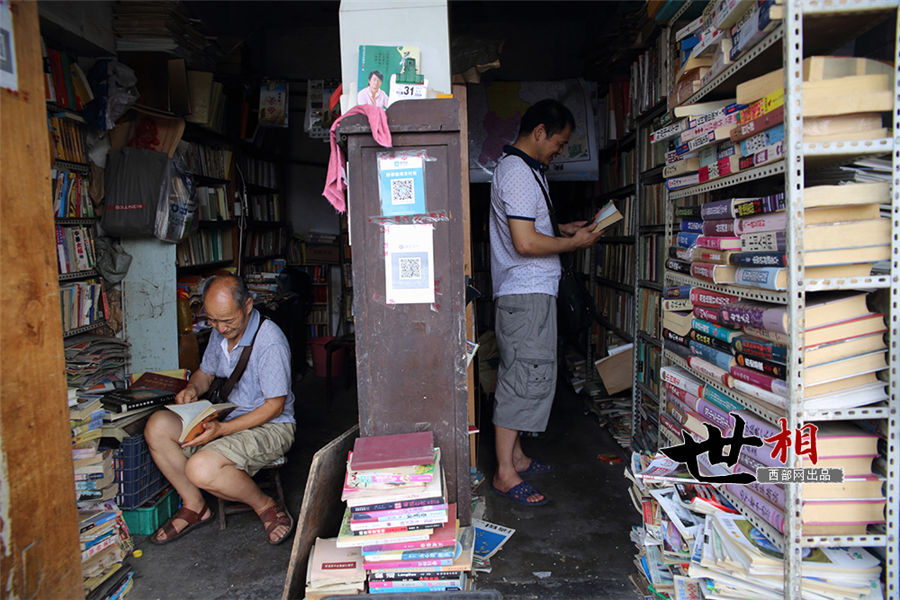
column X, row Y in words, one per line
column 39, row 521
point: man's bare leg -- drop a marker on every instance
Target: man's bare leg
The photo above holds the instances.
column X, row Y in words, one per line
column 213, row 472
column 161, row 434
column 507, row 477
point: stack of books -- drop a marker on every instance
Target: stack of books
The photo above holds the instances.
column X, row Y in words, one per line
column 398, row 515
column 693, row 544
column 333, row 571
column 103, row 535
column 94, row 361
column 743, row 346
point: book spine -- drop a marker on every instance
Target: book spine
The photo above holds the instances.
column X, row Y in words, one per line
column 759, row 349
column 759, row 223
column 681, row 291
column 712, row 272
column 748, row 129
column 691, row 212
column 97, row 548
column 359, row 523
column 717, row 210
column 718, row 358
column 714, row 372
column 673, row 304
column 692, row 225
column 707, row 314
column 781, row 339
column 669, row 131
column 402, row 564
column 768, row 241
column 681, row 380
column 720, row 168
column 763, row 316
column 770, row 514
column 773, row 369
column 708, row 255
column 417, row 554
column 770, row 153
column 679, row 266
column 688, row 419
column 399, row 546
column 759, row 259
column 363, row 480
column 718, row 242
column 703, row 407
column 682, row 167
column 399, row 512
column 754, row 391
column 718, row 227
column 711, row 341
column 674, row 337
column 747, row 207
column 760, row 277
column 766, row 382
column 704, row 129
column 761, row 140
column 723, row 334
column 763, row 106
column 723, row 401
column 685, row 239
column 711, row 298
column 683, row 181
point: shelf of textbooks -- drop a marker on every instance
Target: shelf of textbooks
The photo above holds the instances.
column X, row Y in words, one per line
column 319, row 319
column 766, row 255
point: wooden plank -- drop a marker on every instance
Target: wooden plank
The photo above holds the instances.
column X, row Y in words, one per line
column 39, row 526
column 459, row 92
column 322, row 509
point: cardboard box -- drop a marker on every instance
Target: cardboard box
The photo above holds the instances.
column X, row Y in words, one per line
column 616, row 369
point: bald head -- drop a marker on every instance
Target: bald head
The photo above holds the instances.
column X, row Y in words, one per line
column 231, row 284
column 228, row 306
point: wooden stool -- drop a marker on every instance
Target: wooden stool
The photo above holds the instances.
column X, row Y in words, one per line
column 273, row 470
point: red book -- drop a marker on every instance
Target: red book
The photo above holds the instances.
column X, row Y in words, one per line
column 158, row 381
column 398, row 450
column 711, row 298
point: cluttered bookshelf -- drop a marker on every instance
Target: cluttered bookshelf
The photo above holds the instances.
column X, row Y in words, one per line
column 778, row 303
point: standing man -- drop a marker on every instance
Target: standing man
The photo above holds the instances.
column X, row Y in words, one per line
column 525, row 269
column 224, row 458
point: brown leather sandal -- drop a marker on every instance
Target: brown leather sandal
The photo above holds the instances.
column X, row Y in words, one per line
column 274, row 517
column 192, row 518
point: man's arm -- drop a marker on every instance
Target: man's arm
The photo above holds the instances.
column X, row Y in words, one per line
column 269, row 409
column 196, row 387
column 528, row 242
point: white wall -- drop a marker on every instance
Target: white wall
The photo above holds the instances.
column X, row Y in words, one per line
column 422, row 23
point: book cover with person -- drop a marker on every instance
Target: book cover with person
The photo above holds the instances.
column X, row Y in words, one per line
column 376, row 65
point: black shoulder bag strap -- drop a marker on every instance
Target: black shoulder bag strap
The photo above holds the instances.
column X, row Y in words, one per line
column 241, row 364
column 564, row 258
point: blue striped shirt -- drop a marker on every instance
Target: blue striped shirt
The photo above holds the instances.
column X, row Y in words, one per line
column 268, row 373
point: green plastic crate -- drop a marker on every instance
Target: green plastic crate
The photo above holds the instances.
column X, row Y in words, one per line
column 147, row 518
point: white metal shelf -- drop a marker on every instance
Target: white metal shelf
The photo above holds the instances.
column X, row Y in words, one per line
column 745, row 176
column 748, row 293
column 869, row 540
column 826, row 7
column 849, row 283
column 875, row 411
column 848, row 148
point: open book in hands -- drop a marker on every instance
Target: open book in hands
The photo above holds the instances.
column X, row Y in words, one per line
column 605, row 217
column 195, row 414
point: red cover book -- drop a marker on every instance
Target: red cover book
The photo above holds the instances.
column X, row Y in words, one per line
column 712, row 298
column 398, row 450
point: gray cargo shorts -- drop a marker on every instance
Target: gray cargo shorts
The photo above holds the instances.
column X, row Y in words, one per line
column 525, row 327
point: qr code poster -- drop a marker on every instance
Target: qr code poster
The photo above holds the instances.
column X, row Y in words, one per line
column 409, row 264
column 401, row 181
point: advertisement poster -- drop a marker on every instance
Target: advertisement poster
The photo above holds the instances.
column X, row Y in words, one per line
column 273, row 104
column 376, row 65
column 409, row 264
column 401, row 183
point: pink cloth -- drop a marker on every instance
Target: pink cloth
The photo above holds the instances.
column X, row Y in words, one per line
column 334, row 180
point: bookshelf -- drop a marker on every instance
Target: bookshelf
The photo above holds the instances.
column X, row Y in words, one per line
column 265, row 238
column 794, row 167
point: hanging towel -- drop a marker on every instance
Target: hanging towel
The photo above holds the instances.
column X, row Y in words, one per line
column 334, row 180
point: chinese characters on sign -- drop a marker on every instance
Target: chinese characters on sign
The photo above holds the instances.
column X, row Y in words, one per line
column 802, row 439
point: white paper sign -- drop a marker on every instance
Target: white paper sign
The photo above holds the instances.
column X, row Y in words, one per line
column 409, row 264
column 9, row 77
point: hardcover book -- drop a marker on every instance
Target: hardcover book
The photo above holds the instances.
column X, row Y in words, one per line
column 397, row 450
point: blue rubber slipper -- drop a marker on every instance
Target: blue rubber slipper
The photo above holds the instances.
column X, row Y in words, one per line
column 536, row 468
column 520, row 493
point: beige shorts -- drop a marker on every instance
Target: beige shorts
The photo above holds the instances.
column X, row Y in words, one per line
column 252, row 449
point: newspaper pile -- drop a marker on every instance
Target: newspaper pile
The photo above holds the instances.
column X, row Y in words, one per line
column 95, row 361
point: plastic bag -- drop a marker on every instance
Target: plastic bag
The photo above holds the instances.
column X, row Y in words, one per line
column 177, row 208
column 136, row 180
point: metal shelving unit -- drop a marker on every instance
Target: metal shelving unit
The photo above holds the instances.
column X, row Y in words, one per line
column 798, row 157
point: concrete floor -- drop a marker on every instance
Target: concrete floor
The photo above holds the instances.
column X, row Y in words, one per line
column 580, row 536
